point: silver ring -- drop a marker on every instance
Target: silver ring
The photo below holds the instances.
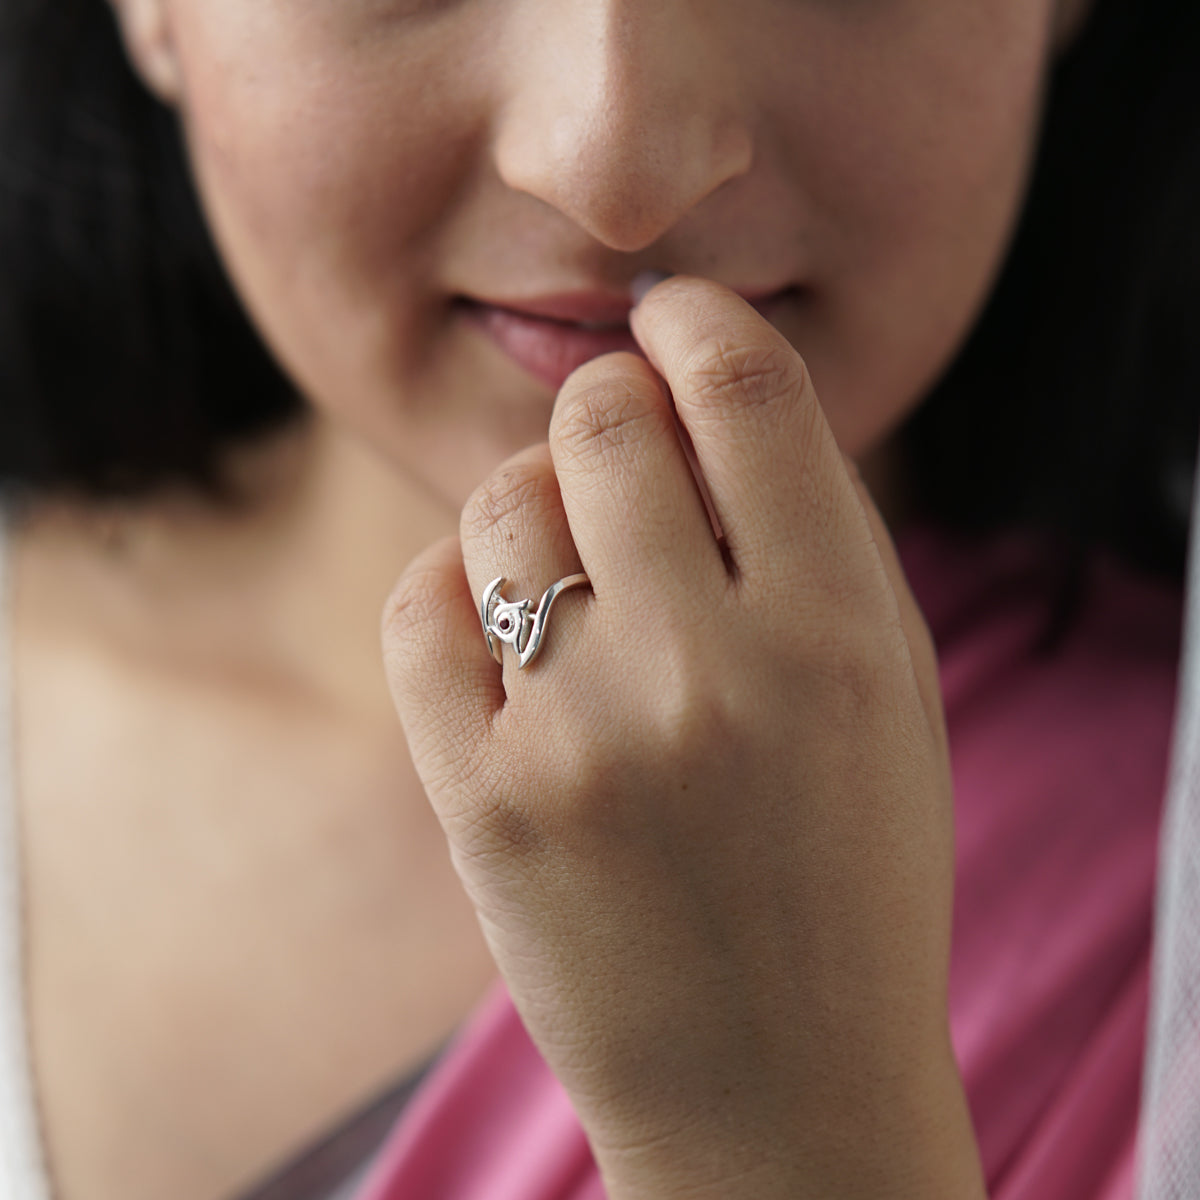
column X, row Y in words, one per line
column 514, row 623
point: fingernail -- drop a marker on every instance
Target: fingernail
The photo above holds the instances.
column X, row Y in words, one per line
column 644, row 282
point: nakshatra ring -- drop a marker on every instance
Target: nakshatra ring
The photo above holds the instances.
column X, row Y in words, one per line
column 515, row 622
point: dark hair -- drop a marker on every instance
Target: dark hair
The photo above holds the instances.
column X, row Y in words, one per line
column 1075, row 404
column 127, row 363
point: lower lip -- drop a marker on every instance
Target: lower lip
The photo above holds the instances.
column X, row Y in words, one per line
column 548, row 350
column 551, row 350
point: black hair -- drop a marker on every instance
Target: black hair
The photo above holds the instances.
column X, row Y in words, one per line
column 127, row 363
column 1074, row 406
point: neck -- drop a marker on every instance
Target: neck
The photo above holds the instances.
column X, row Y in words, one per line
column 289, row 585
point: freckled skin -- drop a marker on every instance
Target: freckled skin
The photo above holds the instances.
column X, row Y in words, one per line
column 363, row 163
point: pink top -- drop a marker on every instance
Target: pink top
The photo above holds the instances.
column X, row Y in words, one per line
column 1059, row 768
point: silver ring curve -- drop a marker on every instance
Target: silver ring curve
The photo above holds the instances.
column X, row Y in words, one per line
column 515, row 622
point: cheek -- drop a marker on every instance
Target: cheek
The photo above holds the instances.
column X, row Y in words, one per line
column 323, row 163
column 914, row 162
column 928, row 116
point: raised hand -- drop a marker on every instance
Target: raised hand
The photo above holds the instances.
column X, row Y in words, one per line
column 708, row 831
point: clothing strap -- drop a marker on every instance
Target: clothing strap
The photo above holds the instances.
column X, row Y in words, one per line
column 335, row 1166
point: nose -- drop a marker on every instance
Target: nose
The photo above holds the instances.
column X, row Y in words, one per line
column 622, row 114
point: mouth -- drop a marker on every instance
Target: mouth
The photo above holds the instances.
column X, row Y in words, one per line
column 551, row 336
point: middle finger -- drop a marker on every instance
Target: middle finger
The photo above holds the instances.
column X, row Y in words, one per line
column 635, row 510
column 775, row 473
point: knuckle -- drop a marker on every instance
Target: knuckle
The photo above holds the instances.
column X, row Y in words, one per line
column 511, row 812
column 508, row 493
column 697, row 703
column 723, row 375
column 854, row 670
column 415, row 618
column 605, row 417
column 498, row 832
column 418, row 605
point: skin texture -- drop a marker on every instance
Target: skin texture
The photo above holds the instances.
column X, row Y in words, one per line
column 708, row 834
column 364, row 163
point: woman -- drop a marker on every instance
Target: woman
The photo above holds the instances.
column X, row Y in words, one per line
column 427, row 211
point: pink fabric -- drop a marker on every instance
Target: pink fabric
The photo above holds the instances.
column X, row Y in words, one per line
column 1059, row 770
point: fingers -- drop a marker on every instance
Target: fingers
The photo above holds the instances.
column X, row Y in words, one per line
column 445, row 691
column 766, row 451
column 514, row 527
column 792, row 507
column 630, row 496
column 612, row 496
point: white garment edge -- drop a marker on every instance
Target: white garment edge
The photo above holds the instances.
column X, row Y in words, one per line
column 1169, row 1132
column 22, row 1166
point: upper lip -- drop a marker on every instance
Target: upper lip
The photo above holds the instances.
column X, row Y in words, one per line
column 594, row 307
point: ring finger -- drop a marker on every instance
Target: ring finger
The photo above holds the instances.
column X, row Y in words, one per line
column 514, row 527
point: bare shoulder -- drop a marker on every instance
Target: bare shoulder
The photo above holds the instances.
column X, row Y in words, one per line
column 239, row 906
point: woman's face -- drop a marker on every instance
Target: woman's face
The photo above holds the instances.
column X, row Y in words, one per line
column 407, row 191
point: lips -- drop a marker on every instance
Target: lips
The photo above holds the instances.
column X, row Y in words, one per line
column 551, row 336
column 550, row 348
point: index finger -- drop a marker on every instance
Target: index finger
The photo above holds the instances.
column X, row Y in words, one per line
column 769, row 459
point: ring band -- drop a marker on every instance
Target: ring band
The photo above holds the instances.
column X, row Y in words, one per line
column 514, row 623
